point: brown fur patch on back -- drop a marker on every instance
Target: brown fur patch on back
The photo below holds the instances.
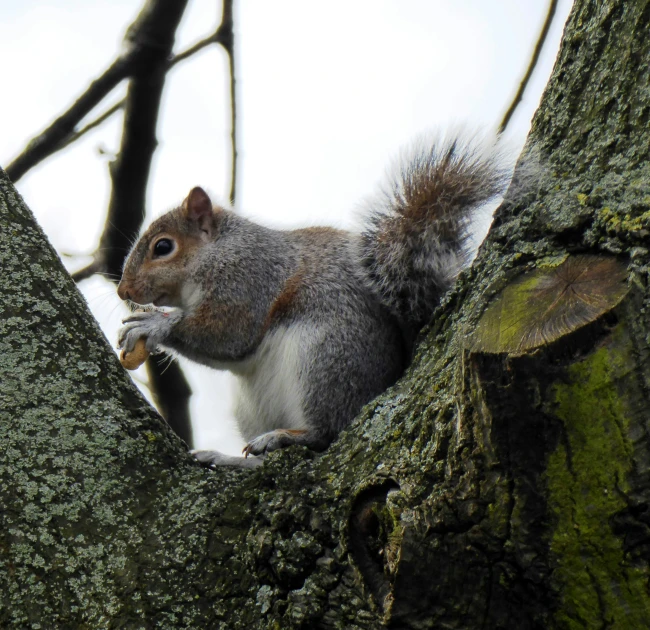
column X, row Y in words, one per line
column 284, row 303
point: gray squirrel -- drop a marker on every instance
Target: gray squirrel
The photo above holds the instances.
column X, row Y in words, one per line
column 316, row 322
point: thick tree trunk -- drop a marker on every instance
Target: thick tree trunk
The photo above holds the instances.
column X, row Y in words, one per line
column 504, row 482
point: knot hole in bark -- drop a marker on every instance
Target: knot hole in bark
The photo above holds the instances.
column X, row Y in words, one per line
column 374, row 535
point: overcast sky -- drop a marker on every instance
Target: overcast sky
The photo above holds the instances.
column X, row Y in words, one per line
column 328, row 92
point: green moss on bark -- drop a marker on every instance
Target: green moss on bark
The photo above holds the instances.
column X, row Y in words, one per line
column 587, row 482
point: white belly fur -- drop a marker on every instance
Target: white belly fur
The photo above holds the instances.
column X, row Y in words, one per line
column 268, row 389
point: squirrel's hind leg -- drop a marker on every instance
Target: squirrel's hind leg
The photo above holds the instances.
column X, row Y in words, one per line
column 212, row 459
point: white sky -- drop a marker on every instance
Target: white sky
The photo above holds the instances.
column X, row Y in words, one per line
column 328, row 93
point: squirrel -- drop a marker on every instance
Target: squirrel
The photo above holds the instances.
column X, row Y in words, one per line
column 315, row 322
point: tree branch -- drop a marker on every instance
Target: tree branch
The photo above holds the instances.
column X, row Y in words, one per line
column 146, row 38
column 215, row 38
column 531, row 66
column 171, row 393
column 186, row 54
column 90, row 126
column 88, row 271
column 228, row 43
column 49, row 140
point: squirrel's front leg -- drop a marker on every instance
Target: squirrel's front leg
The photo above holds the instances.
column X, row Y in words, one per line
column 153, row 326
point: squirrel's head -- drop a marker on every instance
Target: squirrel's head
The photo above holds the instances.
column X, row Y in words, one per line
column 156, row 268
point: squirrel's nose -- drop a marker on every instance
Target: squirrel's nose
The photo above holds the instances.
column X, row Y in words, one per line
column 123, row 291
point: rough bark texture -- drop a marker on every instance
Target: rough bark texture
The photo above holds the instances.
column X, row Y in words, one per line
column 498, row 484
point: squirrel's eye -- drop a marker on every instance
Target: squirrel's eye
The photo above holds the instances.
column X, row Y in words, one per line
column 163, row 247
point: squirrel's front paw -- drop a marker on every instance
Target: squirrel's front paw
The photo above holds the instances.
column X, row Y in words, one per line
column 153, row 326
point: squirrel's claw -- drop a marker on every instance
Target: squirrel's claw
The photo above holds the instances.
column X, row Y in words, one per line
column 154, row 326
column 126, row 339
column 272, row 440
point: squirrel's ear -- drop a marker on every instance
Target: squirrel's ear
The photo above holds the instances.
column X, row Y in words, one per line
column 197, row 207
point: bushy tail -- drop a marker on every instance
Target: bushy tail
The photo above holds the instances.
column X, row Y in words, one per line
column 416, row 238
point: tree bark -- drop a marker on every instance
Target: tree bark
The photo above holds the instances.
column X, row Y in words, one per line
column 503, row 482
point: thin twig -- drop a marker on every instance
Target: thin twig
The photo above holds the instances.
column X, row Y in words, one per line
column 48, row 141
column 171, row 393
column 215, row 38
column 531, row 66
column 228, row 43
column 90, row 126
column 88, row 271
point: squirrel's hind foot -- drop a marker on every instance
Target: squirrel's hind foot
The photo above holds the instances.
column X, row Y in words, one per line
column 274, row 440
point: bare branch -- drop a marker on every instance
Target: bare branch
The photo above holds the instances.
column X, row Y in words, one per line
column 531, row 66
column 215, row 38
column 145, row 39
column 171, row 393
column 96, row 266
column 228, row 43
column 186, row 54
column 49, row 140
column 90, row 126
column 130, row 170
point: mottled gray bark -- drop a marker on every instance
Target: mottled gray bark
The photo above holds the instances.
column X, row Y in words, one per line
column 503, row 482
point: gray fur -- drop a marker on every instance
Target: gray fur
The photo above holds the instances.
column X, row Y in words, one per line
column 312, row 322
